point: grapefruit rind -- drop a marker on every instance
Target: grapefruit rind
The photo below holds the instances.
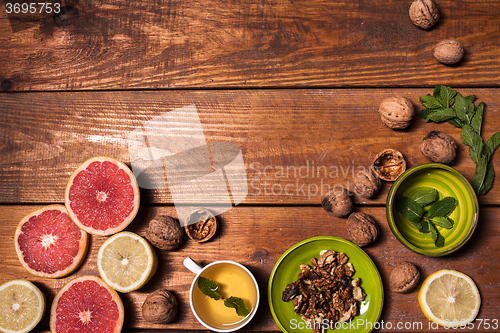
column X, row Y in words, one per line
column 39, row 298
column 77, row 260
column 422, row 299
column 114, row 297
column 133, row 183
column 148, row 272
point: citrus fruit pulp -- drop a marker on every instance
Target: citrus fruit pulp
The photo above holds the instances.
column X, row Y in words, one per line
column 49, row 244
column 22, row 306
column 449, row 298
column 102, row 196
column 86, row 304
column 126, row 261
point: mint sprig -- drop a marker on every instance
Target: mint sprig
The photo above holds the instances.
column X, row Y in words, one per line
column 424, row 212
column 448, row 105
column 210, row 289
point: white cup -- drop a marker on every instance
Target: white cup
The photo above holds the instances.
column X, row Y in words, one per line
column 196, row 269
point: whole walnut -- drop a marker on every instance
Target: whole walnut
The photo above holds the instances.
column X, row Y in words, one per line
column 337, row 202
column 367, row 184
column 165, row 233
column 449, row 52
column 439, row 147
column 396, row 112
column 362, row 228
column 160, row 307
column 424, row 13
column 404, row 277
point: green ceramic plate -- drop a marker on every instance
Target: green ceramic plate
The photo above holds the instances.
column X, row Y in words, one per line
column 287, row 269
column 448, row 182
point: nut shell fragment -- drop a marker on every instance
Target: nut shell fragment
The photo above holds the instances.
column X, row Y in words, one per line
column 203, row 230
column 439, row 147
column 337, row 202
column 160, row 307
column 362, row 228
column 396, row 112
column 424, row 13
column 165, row 233
column 449, row 52
column 389, row 164
column 404, row 277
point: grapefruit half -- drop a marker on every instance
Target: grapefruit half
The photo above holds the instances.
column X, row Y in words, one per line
column 86, row 304
column 102, row 196
column 48, row 242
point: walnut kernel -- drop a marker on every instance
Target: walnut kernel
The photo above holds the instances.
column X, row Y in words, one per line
column 404, row 277
column 362, row 228
column 202, row 230
column 165, row 233
column 389, row 164
column 160, row 307
column 424, row 13
column 396, row 112
column 439, row 147
column 449, row 52
column 337, row 202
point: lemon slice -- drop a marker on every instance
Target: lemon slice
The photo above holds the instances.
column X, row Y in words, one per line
column 126, row 261
column 21, row 306
column 449, row 298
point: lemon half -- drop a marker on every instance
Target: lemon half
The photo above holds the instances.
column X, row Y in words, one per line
column 22, row 306
column 449, row 298
column 126, row 261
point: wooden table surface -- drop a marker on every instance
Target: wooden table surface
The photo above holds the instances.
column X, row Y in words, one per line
column 295, row 84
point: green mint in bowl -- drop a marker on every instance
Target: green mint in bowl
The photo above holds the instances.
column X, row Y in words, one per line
column 432, row 209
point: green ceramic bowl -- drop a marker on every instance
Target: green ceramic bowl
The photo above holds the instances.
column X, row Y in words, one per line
column 449, row 183
column 287, row 269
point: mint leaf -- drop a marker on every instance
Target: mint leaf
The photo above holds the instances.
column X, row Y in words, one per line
column 424, row 227
column 424, row 114
column 461, row 108
column 455, row 122
column 425, row 196
column 445, row 95
column 488, row 179
column 470, row 98
column 492, row 144
column 478, row 179
column 474, row 141
column 238, row 304
column 410, row 210
column 443, row 221
column 430, row 102
column 441, row 115
column 443, row 207
column 477, row 120
column 209, row 288
column 436, row 236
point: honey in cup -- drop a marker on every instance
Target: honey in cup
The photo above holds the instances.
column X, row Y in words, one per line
column 231, row 280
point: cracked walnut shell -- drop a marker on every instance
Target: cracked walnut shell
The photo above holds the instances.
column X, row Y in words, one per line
column 404, row 277
column 160, row 307
column 439, row 147
column 362, row 228
column 424, row 13
column 201, row 225
column 389, row 164
column 396, row 112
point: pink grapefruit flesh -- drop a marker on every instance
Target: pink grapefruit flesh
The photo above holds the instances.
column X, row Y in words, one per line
column 49, row 244
column 102, row 196
column 86, row 305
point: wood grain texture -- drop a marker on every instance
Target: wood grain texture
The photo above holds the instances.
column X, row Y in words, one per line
column 126, row 44
column 241, row 238
column 295, row 143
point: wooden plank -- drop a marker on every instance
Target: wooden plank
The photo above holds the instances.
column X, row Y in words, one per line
column 192, row 44
column 295, row 143
column 241, row 238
